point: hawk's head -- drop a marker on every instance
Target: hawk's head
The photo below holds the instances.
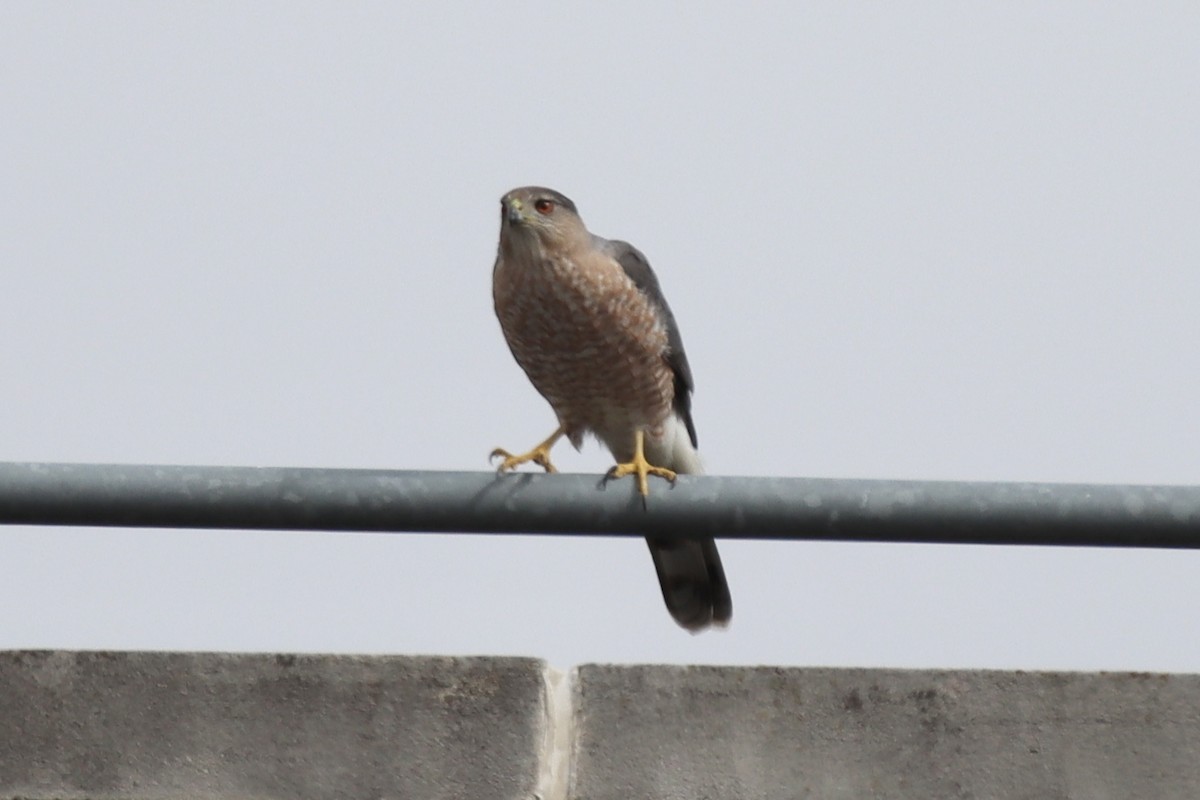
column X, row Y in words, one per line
column 535, row 213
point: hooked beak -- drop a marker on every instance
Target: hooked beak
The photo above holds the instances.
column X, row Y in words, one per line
column 514, row 212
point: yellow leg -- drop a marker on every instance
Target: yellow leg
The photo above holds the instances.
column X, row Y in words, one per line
column 539, row 455
column 640, row 467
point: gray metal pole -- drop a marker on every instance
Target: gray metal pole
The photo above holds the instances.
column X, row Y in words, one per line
column 482, row 502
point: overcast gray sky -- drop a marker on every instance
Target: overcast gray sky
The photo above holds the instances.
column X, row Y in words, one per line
column 926, row 241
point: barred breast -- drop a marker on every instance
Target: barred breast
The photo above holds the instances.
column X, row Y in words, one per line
column 591, row 343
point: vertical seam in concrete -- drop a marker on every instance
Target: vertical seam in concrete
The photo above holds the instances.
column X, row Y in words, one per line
column 555, row 759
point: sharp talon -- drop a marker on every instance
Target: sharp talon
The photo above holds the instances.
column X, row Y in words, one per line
column 642, row 468
column 508, row 463
column 539, row 455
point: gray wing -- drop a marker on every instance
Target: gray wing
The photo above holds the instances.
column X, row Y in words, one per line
column 638, row 269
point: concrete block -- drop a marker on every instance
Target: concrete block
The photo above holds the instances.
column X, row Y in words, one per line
column 189, row 725
column 713, row 733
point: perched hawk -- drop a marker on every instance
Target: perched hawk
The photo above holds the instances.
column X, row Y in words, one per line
column 586, row 320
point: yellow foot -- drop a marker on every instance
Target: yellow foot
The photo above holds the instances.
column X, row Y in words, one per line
column 641, row 467
column 539, row 455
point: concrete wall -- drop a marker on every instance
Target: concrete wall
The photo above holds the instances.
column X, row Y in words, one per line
column 184, row 725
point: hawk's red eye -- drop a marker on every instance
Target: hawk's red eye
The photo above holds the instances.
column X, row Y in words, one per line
column 544, row 206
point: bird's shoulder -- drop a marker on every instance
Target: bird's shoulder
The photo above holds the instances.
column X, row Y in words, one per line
column 636, row 267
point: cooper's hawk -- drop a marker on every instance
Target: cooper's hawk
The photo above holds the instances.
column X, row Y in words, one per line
column 586, row 320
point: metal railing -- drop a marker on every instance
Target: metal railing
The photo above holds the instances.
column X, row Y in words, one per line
column 482, row 502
